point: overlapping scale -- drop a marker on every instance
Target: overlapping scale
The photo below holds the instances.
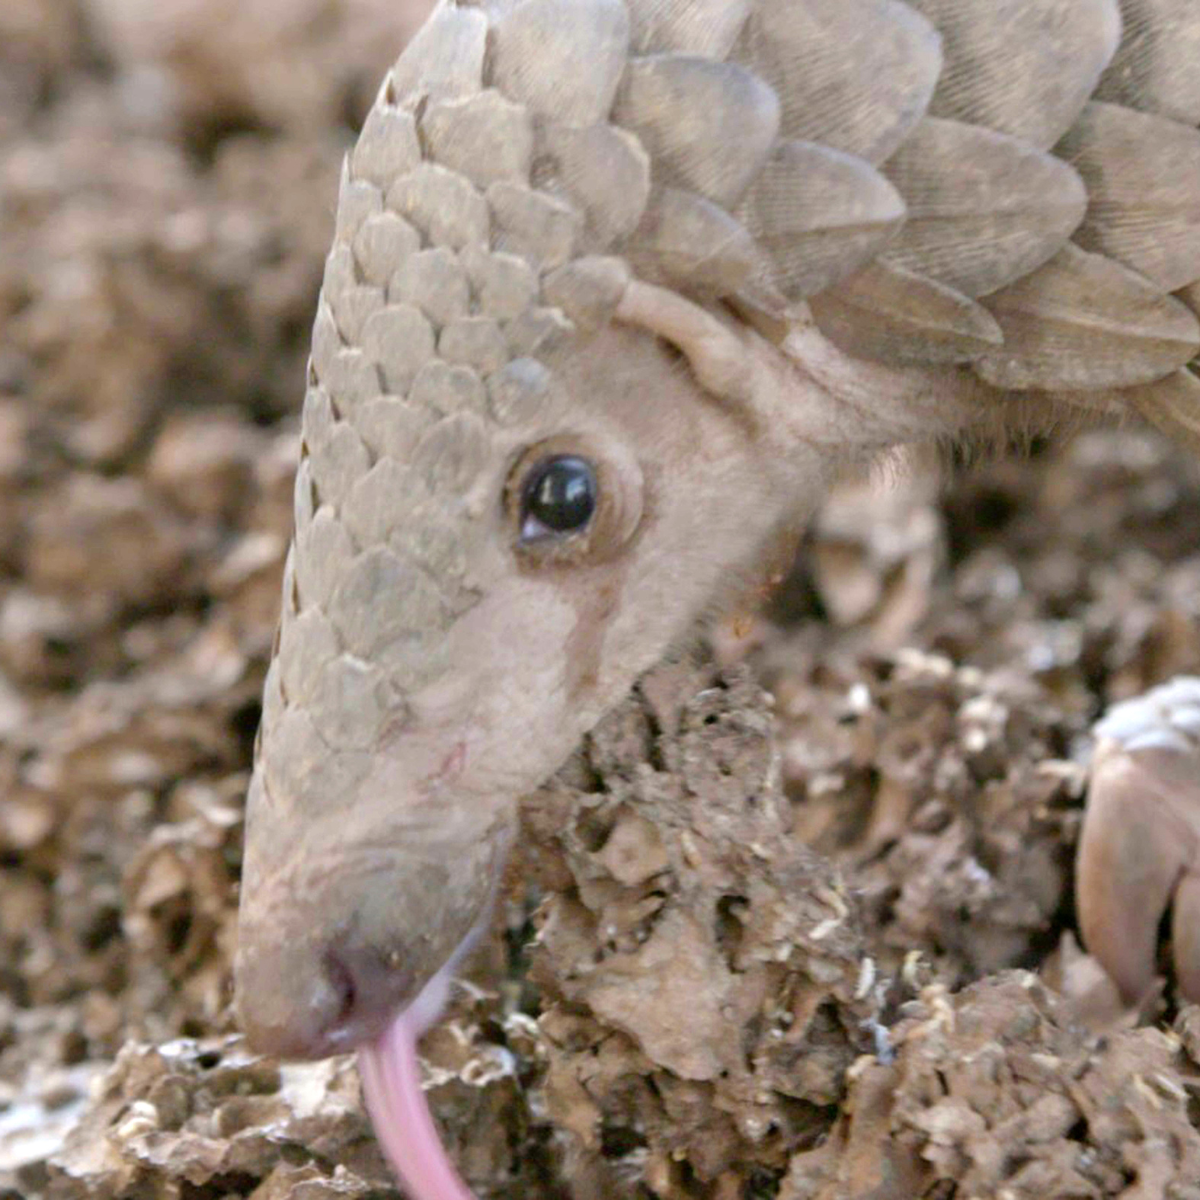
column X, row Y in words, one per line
column 1021, row 67
column 819, row 214
column 1173, row 404
column 983, row 208
column 705, row 27
column 890, row 314
column 1154, row 70
column 1143, row 180
column 1083, row 321
column 708, row 126
column 855, row 75
column 561, row 58
column 688, row 240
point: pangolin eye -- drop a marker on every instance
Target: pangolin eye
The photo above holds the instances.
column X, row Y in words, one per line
column 559, row 497
column 572, row 499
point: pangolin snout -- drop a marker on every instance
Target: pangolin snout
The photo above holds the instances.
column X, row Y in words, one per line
column 347, row 921
column 302, row 994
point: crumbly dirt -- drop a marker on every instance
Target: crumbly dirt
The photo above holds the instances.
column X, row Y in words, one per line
column 797, row 920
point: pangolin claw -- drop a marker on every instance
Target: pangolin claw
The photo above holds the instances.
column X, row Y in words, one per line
column 1139, row 852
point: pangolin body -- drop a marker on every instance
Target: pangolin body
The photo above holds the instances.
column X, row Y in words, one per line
column 617, row 287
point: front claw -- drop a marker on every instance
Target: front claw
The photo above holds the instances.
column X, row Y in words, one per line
column 1139, row 851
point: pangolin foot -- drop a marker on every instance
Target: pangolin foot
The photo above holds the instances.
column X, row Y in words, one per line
column 1139, row 852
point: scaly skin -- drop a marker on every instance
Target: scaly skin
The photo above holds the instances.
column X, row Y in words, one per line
column 540, row 251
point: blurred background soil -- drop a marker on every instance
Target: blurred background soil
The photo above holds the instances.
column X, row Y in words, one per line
column 795, row 922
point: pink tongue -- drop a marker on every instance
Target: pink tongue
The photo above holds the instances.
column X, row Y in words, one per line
column 391, row 1078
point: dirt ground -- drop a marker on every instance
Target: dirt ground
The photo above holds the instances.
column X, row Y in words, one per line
column 797, row 920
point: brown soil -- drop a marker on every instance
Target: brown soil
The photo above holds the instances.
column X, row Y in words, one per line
column 796, row 927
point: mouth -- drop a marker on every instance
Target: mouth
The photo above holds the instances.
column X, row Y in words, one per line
column 391, row 1079
column 345, row 991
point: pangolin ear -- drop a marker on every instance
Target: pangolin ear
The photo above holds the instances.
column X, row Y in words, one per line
column 716, row 350
column 781, row 370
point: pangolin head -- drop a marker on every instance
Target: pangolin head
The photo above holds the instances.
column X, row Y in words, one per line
column 614, row 290
column 513, row 496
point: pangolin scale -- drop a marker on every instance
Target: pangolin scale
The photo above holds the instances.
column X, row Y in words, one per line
column 708, row 252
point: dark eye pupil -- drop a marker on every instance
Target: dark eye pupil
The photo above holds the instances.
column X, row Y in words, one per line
column 560, row 495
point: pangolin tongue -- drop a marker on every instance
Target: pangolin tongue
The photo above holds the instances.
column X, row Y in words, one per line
column 391, row 1077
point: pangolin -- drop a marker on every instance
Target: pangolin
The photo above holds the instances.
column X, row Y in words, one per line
column 617, row 289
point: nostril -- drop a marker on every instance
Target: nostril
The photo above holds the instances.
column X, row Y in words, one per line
column 361, row 988
column 305, row 998
column 343, row 992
